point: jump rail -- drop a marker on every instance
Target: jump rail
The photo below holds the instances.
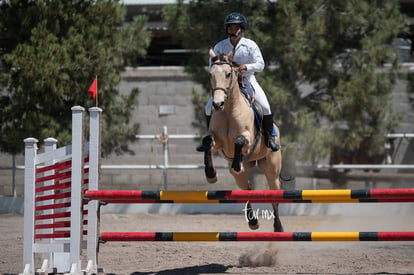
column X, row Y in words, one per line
column 255, row 236
column 264, row 196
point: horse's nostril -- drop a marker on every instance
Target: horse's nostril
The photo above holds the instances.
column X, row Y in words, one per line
column 218, row 105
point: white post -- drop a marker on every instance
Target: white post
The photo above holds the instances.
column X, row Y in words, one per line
column 48, row 258
column 94, row 179
column 14, row 192
column 164, row 141
column 76, row 224
column 29, row 204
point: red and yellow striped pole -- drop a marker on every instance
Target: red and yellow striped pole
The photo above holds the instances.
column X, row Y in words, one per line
column 255, row 236
column 263, row 196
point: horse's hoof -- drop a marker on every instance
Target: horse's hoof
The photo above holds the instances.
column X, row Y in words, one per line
column 237, row 172
column 254, row 226
column 212, row 180
column 278, row 228
column 200, row 148
column 211, row 175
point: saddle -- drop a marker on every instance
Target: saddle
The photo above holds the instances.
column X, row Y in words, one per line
column 246, row 89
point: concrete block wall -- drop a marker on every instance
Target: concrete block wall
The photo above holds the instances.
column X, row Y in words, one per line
column 6, row 175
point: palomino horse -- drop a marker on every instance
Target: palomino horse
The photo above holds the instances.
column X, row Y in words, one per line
column 232, row 132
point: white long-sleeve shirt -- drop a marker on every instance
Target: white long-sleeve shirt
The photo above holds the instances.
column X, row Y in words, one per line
column 247, row 52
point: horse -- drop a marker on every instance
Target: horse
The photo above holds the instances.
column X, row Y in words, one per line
column 232, row 132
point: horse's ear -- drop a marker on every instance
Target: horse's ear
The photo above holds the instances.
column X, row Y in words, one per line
column 212, row 53
column 230, row 55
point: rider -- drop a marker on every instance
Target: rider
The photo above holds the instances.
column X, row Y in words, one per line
column 249, row 59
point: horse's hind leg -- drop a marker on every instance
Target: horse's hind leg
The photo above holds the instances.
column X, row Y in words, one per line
column 271, row 168
column 209, row 169
column 277, row 224
column 274, row 184
column 243, row 183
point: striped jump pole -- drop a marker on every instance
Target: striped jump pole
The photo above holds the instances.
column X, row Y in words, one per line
column 260, row 196
column 255, row 236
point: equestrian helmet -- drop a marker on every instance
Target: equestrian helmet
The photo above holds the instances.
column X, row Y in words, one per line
column 235, row 18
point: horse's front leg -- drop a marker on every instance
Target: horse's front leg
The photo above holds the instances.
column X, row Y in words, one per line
column 209, row 169
column 277, row 224
column 237, row 164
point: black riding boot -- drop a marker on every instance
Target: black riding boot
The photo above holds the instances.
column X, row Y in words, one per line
column 271, row 139
column 200, row 148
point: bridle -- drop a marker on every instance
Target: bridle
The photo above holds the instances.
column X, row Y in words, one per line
column 230, row 87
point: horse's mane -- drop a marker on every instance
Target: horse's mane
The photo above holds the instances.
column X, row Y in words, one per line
column 222, row 58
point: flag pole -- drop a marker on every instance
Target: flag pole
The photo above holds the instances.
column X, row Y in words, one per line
column 96, row 101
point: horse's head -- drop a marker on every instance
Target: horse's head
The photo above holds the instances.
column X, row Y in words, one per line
column 222, row 78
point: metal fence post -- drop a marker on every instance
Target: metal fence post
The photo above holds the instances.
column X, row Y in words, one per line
column 14, row 176
column 164, row 140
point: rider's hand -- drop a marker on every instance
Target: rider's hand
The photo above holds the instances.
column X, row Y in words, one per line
column 242, row 68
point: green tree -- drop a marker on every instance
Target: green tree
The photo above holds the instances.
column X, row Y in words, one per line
column 323, row 60
column 50, row 51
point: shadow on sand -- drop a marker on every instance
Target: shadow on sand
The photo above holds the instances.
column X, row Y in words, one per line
column 190, row 270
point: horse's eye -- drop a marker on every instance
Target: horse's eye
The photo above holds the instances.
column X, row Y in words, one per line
column 228, row 75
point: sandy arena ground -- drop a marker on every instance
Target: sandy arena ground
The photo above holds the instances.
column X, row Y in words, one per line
column 180, row 258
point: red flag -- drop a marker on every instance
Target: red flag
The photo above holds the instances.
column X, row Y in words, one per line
column 93, row 89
